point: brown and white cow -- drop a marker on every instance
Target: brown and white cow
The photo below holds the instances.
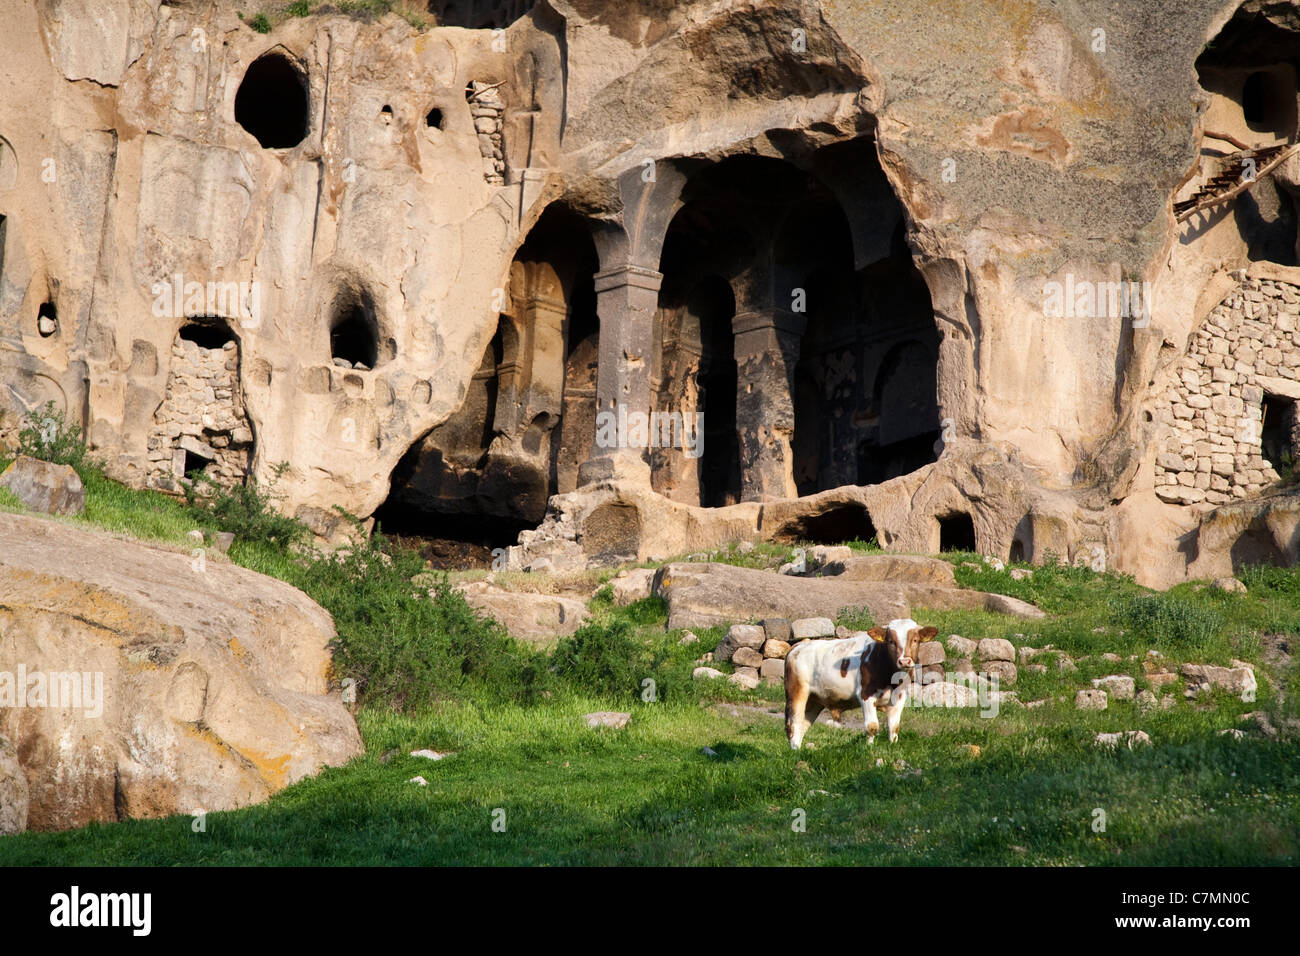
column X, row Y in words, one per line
column 867, row 669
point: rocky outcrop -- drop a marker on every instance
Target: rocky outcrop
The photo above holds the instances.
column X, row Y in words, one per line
column 525, row 615
column 438, row 251
column 707, row 595
column 137, row 681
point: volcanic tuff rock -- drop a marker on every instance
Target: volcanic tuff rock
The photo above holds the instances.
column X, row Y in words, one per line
column 201, row 685
column 425, row 255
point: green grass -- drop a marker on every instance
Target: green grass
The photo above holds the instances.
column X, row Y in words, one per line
column 434, row 675
column 648, row 794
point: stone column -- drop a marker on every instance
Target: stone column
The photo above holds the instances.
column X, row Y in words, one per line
column 626, row 300
column 767, row 348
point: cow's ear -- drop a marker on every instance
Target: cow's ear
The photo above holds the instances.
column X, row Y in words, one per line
column 877, row 633
column 928, row 633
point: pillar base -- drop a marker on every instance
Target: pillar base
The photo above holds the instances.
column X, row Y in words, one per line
column 614, row 468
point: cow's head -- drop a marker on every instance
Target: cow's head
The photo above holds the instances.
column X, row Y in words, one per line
column 902, row 640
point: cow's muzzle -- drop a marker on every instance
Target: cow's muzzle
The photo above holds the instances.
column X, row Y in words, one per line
column 904, row 662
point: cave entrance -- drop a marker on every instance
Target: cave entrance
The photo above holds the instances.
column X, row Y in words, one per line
column 1278, row 434
column 354, row 330
column 273, row 101
column 835, row 526
column 528, row 417
column 956, row 532
column 833, row 341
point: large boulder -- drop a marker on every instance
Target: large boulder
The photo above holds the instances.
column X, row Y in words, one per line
column 45, row 487
column 137, row 681
column 893, row 567
column 708, row 595
column 526, row 615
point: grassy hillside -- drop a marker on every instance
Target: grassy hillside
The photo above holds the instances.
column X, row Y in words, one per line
column 702, row 773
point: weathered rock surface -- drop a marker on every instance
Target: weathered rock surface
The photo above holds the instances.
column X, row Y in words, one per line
column 632, row 585
column 1117, row 686
column 526, row 615
column 201, row 689
column 614, row 719
column 41, row 486
column 13, row 791
column 707, row 595
column 394, row 208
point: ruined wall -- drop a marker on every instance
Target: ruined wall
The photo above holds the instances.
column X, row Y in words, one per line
column 1246, row 354
column 203, row 415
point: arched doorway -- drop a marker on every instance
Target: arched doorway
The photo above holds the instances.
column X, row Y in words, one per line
column 474, row 482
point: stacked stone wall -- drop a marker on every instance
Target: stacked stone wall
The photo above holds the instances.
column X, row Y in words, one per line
column 203, row 414
column 1246, row 353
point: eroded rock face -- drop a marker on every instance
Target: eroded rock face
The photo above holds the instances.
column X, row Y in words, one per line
column 177, row 689
column 902, row 297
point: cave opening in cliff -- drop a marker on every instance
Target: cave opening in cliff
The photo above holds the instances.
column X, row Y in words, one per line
column 201, row 426
column 1249, row 75
column 847, row 522
column 527, row 419
column 273, row 102
column 956, row 532
column 833, row 341
column 478, row 14
column 207, row 334
column 354, row 330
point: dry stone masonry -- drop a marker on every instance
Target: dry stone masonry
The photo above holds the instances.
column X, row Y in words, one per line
column 201, row 424
column 487, row 108
column 1232, row 407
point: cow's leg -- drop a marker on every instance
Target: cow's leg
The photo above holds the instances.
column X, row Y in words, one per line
column 870, row 722
column 894, row 714
column 796, row 703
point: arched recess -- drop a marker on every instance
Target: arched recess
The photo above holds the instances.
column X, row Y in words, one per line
column 818, row 310
column 697, row 459
column 201, row 426
column 527, row 420
column 273, row 101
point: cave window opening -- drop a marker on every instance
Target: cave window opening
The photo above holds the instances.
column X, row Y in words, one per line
column 1017, row 555
column 195, row 464
column 273, row 102
column 207, row 335
column 1264, row 101
column 47, row 319
column 433, row 119
column 354, row 332
column 956, row 532
column 1277, row 435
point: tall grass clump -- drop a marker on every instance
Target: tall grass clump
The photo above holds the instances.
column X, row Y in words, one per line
column 1170, row 623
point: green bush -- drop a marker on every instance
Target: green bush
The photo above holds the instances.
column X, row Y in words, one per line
column 49, row 436
column 604, row 659
column 260, row 23
column 409, row 647
column 247, row 510
column 299, row 8
column 1171, row 623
